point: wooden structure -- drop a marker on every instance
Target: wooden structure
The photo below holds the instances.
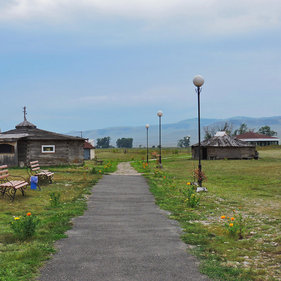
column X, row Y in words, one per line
column 43, row 175
column 222, row 146
column 27, row 143
column 258, row 139
column 89, row 151
column 10, row 184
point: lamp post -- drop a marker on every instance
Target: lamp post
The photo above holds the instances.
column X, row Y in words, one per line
column 198, row 81
column 147, row 126
column 160, row 114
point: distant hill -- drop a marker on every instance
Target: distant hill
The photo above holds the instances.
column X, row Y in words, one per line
column 171, row 133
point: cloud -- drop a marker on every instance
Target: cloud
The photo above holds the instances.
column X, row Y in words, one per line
column 147, row 97
column 201, row 16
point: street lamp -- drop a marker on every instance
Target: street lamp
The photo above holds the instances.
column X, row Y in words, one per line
column 160, row 114
column 147, row 126
column 198, row 81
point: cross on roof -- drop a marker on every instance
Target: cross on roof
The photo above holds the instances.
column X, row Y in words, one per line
column 24, row 112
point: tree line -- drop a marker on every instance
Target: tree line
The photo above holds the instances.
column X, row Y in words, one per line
column 120, row 143
column 228, row 128
column 209, row 131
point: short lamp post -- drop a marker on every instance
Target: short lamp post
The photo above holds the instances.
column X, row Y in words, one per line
column 147, row 126
column 160, row 114
column 198, row 81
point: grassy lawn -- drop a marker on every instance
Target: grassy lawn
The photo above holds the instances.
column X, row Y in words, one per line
column 252, row 188
column 21, row 260
column 133, row 154
column 248, row 187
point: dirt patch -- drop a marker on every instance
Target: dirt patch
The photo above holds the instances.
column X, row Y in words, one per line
column 124, row 168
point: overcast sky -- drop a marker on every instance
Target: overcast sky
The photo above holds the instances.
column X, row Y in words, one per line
column 91, row 64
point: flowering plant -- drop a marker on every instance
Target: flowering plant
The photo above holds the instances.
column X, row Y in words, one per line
column 24, row 226
column 191, row 197
column 55, row 199
column 234, row 225
column 158, row 173
column 198, row 175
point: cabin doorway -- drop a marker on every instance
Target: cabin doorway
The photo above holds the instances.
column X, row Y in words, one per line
column 204, row 153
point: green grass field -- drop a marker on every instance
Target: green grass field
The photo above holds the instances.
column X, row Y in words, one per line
column 20, row 260
column 133, row 154
column 250, row 187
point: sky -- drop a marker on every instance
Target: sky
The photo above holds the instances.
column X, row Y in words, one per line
column 89, row 64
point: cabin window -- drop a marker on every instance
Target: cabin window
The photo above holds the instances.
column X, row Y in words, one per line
column 7, row 148
column 48, row 148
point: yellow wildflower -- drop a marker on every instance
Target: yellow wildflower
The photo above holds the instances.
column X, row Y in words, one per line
column 188, row 183
column 17, row 218
column 231, row 224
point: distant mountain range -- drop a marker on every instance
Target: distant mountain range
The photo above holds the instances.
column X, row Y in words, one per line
column 171, row 133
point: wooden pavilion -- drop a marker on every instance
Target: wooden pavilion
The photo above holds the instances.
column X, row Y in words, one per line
column 27, row 143
column 223, row 146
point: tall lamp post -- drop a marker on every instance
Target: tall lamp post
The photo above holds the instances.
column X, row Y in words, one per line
column 147, row 126
column 198, row 81
column 160, row 114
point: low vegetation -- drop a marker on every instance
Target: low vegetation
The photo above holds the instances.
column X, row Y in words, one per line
column 235, row 227
column 31, row 224
column 134, row 154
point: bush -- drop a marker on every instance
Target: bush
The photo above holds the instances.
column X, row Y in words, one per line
column 24, row 227
column 191, row 198
column 55, row 199
column 234, row 225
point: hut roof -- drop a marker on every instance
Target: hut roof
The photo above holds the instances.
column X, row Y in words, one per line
column 224, row 141
column 25, row 124
column 252, row 135
column 29, row 131
column 87, row 145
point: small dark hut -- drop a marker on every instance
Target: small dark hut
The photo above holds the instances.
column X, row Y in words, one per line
column 28, row 143
column 222, row 146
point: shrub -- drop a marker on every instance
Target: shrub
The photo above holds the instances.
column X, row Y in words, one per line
column 55, row 199
column 93, row 171
column 234, row 225
column 199, row 175
column 191, row 198
column 24, row 226
column 158, row 173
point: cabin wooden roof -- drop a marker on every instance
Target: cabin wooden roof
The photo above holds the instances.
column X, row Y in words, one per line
column 87, row 145
column 252, row 135
column 29, row 131
column 224, row 141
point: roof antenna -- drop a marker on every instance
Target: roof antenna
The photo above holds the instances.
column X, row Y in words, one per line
column 24, row 113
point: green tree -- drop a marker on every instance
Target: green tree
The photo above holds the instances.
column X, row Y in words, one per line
column 242, row 129
column 210, row 131
column 103, row 142
column 124, row 143
column 184, row 142
column 266, row 130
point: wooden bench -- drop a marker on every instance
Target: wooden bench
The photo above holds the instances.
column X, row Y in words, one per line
column 43, row 175
column 8, row 185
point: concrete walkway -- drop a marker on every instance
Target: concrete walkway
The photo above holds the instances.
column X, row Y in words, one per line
column 122, row 236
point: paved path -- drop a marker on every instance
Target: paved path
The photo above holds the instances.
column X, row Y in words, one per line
column 122, row 236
